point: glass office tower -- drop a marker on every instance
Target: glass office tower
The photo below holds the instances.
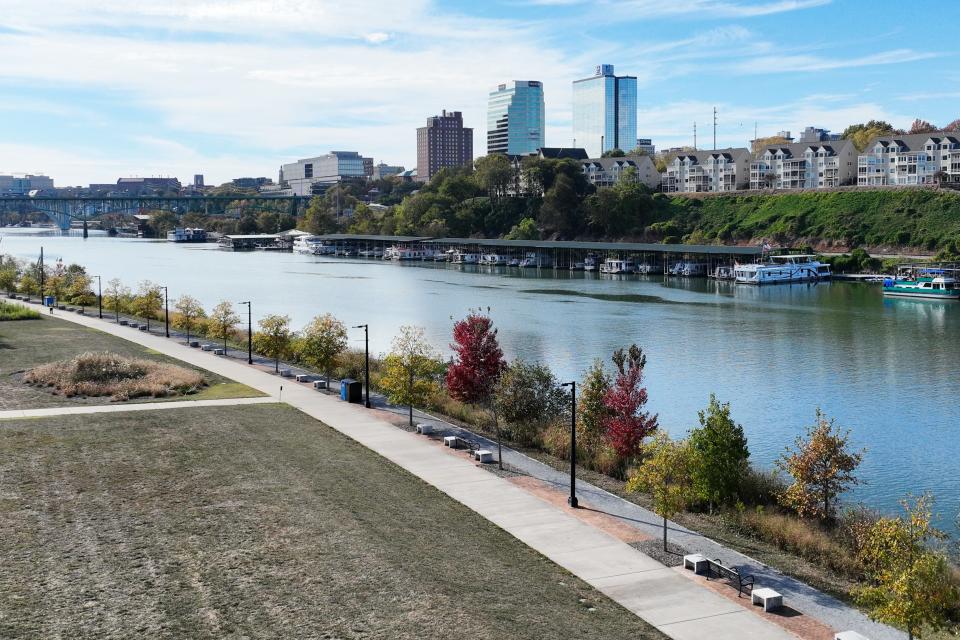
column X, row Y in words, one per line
column 605, row 112
column 515, row 118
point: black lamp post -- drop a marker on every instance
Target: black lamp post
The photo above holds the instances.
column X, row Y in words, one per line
column 99, row 297
column 366, row 361
column 166, row 312
column 572, row 500
column 249, row 332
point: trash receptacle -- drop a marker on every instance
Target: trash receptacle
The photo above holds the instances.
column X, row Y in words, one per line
column 48, row 301
column 351, row 390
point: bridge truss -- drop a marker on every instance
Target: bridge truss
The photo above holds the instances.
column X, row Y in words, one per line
column 63, row 210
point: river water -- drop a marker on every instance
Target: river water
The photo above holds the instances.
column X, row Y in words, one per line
column 886, row 369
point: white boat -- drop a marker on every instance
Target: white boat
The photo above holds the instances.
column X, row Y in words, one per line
column 783, row 269
column 533, row 260
column 460, row 257
column 312, row 245
column 493, row 259
column 616, row 266
column 187, row 234
column 723, row 272
column 590, row 262
column 645, row 269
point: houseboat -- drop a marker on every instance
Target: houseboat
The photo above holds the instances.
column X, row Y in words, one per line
column 616, row 266
column 187, row 234
column 723, row 272
column 591, row 262
column 783, row 269
column 493, row 260
column 312, row 245
column 933, row 284
column 460, row 257
column 533, row 260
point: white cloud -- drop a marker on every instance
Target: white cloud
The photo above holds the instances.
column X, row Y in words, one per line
column 809, row 63
column 699, row 8
column 377, row 37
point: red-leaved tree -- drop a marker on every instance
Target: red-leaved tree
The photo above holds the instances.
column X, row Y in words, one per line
column 473, row 375
column 628, row 424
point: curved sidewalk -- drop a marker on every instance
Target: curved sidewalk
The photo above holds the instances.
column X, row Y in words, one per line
column 677, row 605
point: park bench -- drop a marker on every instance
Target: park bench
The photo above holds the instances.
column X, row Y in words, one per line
column 124, row 323
column 733, row 575
column 456, row 442
column 770, row 599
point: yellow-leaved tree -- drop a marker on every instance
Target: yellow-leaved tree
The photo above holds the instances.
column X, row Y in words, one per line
column 909, row 583
column 667, row 474
column 321, row 342
column 274, row 338
column 189, row 315
column 822, row 466
column 411, row 369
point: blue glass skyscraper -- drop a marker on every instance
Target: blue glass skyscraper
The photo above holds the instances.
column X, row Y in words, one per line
column 515, row 118
column 605, row 112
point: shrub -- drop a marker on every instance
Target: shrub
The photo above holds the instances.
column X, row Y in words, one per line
column 120, row 377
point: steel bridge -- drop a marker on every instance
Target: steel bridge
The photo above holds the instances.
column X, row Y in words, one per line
column 63, row 210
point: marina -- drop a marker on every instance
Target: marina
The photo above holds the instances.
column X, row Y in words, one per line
column 883, row 367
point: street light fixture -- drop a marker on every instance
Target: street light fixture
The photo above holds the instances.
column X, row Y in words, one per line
column 166, row 312
column 249, row 332
column 366, row 361
column 99, row 297
column 572, row 500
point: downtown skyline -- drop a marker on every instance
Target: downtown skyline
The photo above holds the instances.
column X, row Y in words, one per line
column 231, row 89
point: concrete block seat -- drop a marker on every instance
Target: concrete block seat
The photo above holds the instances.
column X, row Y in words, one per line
column 849, row 635
column 142, row 327
column 424, row 429
column 123, row 323
column 304, row 377
column 206, row 347
column 132, row 325
column 451, row 441
column 483, row 455
column 770, row 599
column 285, row 373
column 698, row 562
column 319, row 384
column 219, row 352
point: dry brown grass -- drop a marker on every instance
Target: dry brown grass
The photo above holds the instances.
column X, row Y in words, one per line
column 114, row 375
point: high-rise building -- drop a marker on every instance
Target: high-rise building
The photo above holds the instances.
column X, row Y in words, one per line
column 310, row 174
column 515, row 118
column 198, row 180
column 444, row 142
column 605, row 112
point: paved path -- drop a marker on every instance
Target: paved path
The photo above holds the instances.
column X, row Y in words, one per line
column 122, row 407
column 676, row 605
column 797, row 594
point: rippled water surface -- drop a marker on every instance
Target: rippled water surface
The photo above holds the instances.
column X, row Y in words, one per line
column 886, row 369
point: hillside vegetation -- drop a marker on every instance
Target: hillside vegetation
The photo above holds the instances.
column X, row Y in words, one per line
column 919, row 219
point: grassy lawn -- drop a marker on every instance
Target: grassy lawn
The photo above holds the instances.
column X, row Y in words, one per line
column 257, row 521
column 27, row 343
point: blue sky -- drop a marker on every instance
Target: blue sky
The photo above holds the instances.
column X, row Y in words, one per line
column 91, row 92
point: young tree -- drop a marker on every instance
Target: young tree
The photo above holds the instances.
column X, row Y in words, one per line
column 410, row 369
column 273, row 338
column 822, row 468
column 477, row 366
column 148, row 302
column 28, row 284
column 8, row 276
column 116, row 296
column 321, row 343
column 80, row 292
column 909, row 579
column 223, row 321
column 628, row 425
column 592, row 411
column 528, row 398
column 722, row 454
column 667, row 475
column 189, row 314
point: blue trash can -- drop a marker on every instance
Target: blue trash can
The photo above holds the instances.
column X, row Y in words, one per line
column 48, row 301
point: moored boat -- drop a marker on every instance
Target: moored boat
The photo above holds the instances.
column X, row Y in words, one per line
column 935, row 287
column 783, row 269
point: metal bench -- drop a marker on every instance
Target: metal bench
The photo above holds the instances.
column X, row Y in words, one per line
column 740, row 581
column 770, row 599
column 194, row 344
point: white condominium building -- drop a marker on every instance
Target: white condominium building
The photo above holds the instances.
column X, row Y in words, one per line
column 924, row 158
column 804, row 165
column 606, row 172
column 708, row 171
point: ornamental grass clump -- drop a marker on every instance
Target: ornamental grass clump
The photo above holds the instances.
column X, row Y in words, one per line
column 120, row 377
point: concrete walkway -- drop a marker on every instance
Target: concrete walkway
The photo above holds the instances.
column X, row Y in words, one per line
column 123, row 407
column 675, row 604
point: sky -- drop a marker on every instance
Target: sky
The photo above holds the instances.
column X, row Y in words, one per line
column 90, row 92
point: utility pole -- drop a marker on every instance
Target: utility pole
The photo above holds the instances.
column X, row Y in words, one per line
column 694, row 135
column 714, row 128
